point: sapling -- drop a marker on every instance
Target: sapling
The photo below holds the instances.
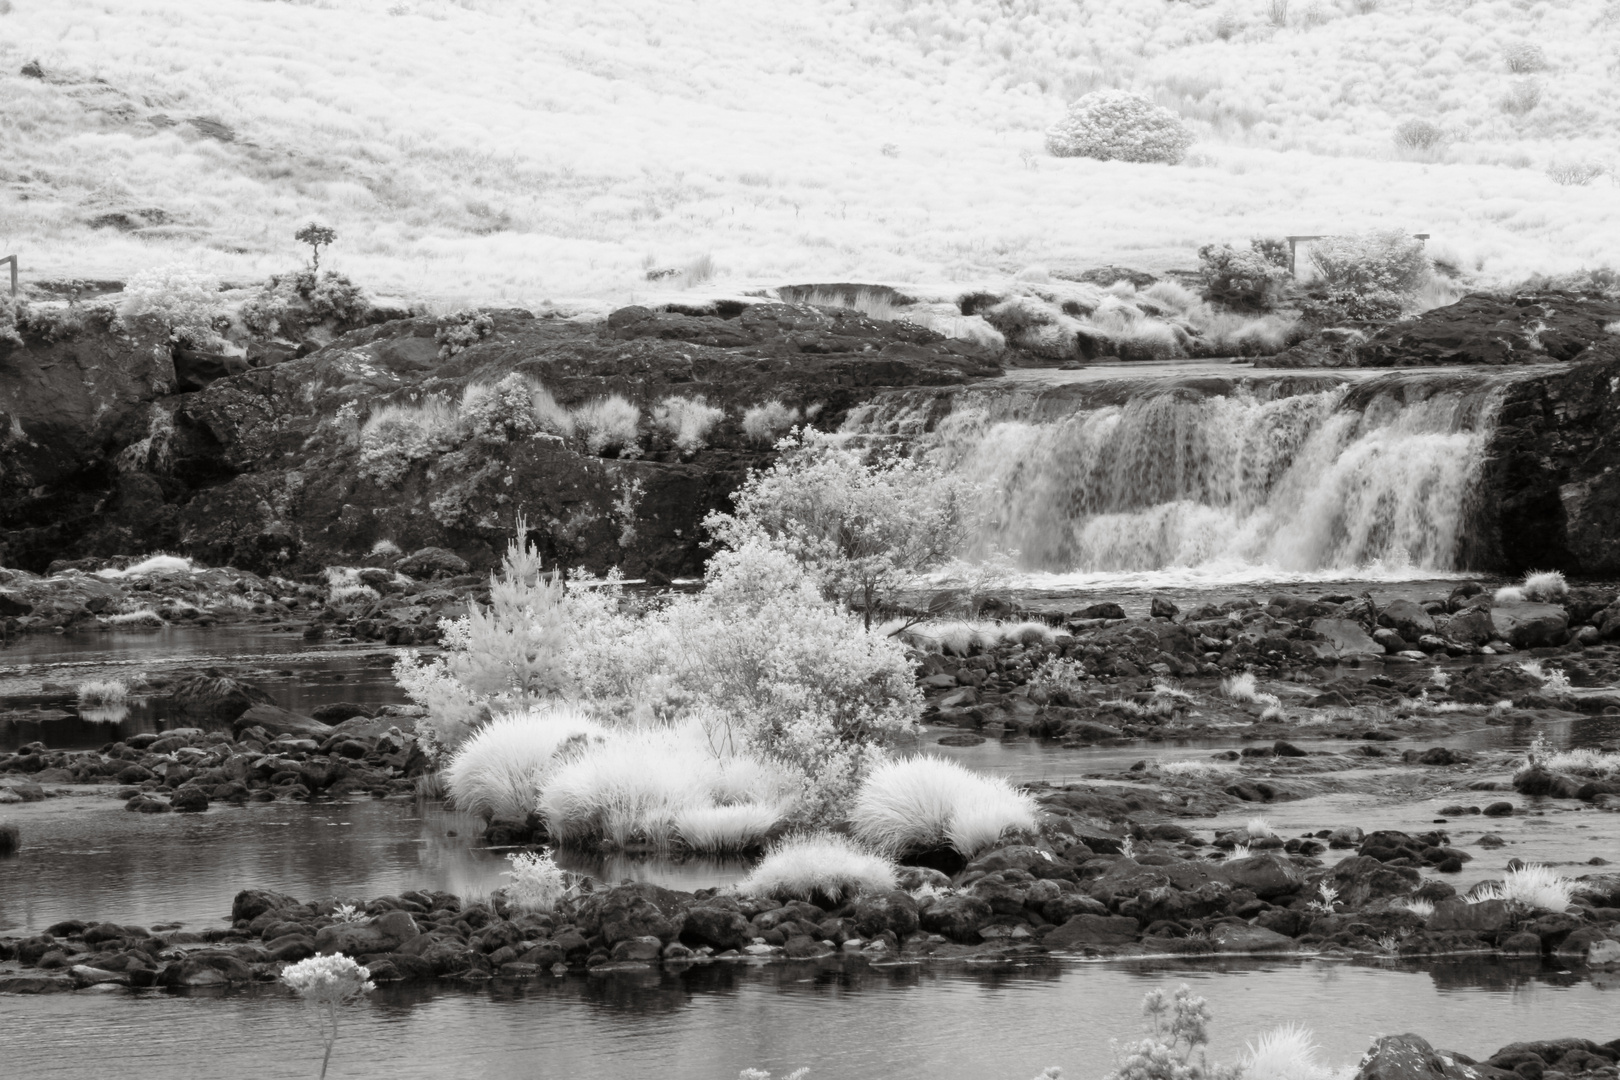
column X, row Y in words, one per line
column 1177, row 1032
column 325, row 982
column 316, row 236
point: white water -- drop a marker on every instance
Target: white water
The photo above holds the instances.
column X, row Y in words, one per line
column 1248, row 480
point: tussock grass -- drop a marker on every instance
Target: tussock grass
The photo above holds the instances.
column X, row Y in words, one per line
column 1534, row 886
column 687, row 421
column 1259, row 828
column 924, row 801
column 1417, row 906
column 819, row 866
column 1583, row 760
column 608, row 424
column 769, row 421
column 500, row 771
column 99, row 693
column 1289, row 1052
column 1195, row 770
column 385, row 549
column 725, row 829
column 1538, row 586
column 1243, row 687
column 139, row 617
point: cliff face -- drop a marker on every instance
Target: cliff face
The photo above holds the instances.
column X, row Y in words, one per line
column 263, row 470
column 1550, row 491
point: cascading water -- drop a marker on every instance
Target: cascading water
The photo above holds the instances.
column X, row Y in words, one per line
column 1257, row 477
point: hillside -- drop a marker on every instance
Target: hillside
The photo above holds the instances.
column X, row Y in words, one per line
column 515, row 151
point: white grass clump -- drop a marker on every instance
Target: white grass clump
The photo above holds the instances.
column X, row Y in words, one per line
column 385, row 549
column 1259, row 828
column 1194, row 770
column 1028, row 633
column 1583, row 760
column 1417, row 906
column 687, row 421
column 769, row 421
column 538, row 883
column 1544, row 586
column 925, row 801
column 609, row 423
column 1289, row 1052
column 152, row 564
column 1508, row 594
column 500, row 771
column 1242, row 687
column 818, row 865
column 1240, row 851
column 99, row 693
column 1534, row 886
column 138, row 617
column 726, row 829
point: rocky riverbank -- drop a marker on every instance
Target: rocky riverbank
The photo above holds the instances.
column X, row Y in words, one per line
column 1155, row 893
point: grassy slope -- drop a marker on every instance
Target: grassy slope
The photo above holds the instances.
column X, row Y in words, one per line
column 521, row 150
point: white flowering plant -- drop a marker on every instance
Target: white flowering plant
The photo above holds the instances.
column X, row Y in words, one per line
column 324, row 983
column 1177, row 1033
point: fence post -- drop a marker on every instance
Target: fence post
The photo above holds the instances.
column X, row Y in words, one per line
column 12, row 259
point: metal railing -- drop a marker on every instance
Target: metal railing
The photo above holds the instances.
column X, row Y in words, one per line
column 1293, row 245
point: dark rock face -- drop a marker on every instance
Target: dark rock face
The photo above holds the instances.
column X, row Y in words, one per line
column 1549, row 489
column 1410, row 1057
column 259, row 470
column 1535, row 328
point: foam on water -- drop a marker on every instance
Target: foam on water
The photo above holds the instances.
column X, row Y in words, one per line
column 1190, row 483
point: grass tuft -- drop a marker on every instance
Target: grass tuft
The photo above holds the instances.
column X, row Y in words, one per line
column 99, row 693
column 923, row 802
column 818, row 866
column 501, row 770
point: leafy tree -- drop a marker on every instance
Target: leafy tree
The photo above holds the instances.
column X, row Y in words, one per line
column 867, row 526
column 316, row 236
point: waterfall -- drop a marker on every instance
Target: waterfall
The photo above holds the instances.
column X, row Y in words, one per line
column 1289, row 477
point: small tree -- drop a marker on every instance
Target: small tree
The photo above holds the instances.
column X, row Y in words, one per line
column 1245, row 279
column 1178, row 1031
column 325, row 982
column 316, row 236
column 866, row 527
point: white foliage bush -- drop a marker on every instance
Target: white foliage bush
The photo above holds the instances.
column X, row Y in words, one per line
column 866, row 527
column 517, row 407
column 687, row 421
column 501, row 769
column 1117, row 125
column 396, row 436
column 768, row 421
column 817, row 866
column 924, row 802
column 184, row 299
column 1371, row 273
column 609, row 424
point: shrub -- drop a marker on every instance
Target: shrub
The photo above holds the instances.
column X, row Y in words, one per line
column 817, row 867
column 687, row 421
column 769, row 421
column 289, row 302
column 514, row 408
column 500, row 771
column 1241, row 687
column 1370, row 275
column 1524, row 96
column 461, row 329
column 925, row 802
column 1418, row 135
column 1524, row 57
column 1058, row 674
column 868, row 528
column 1574, row 173
column 538, row 883
column 1243, row 279
column 183, row 299
column 326, row 982
column 396, row 436
column 609, row 424
column 726, row 829
column 1177, row 1032
column 1116, row 125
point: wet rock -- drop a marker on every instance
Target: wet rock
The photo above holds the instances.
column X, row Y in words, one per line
column 1497, row 809
column 1410, row 1057
column 189, row 800
column 1347, row 637
column 1083, row 930
column 84, row 975
column 1238, row 937
column 893, row 911
column 1589, row 945
column 958, row 916
column 213, row 695
column 278, row 721
column 1267, row 876
column 1407, row 619
column 1487, row 916
column 1361, row 880
column 1528, row 625
column 638, row 949
column 718, row 927
column 431, row 562
column 148, row 804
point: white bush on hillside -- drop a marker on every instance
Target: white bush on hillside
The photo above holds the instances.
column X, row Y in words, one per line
column 1117, row 125
column 184, row 299
column 500, row 771
column 866, row 527
column 1372, row 274
column 395, row 436
column 687, row 421
column 768, row 421
column 609, row 424
column 514, row 408
column 818, row 866
column 925, row 802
